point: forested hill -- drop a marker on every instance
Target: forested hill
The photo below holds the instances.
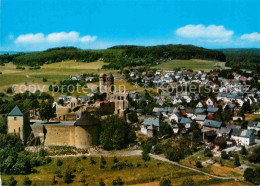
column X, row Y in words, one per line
column 242, row 58
column 117, row 57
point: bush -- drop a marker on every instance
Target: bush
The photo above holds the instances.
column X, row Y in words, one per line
column 59, row 162
column 237, row 160
column 188, row 182
column 27, row 181
column 10, row 90
column 54, row 181
column 101, row 182
column 103, row 161
column 115, row 160
column 158, row 149
column 77, row 159
column 118, row 181
column 11, row 181
column 84, row 157
column 198, row 164
column 92, row 161
column 243, row 151
column 224, row 155
column 208, row 153
column 165, row 182
column 68, row 176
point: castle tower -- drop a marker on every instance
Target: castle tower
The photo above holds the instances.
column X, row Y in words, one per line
column 102, row 83
column 15, row 121
column 110, row 85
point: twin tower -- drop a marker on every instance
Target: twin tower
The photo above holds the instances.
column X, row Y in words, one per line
column 106, row 85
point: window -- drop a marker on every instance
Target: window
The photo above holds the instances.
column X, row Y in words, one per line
column 15, row 118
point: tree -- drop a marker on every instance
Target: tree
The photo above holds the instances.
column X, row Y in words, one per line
column 54, row 181
column 27, row 181
column 118, row 181
column 3, row 125
column 11, row 181
column 237, row 160
column 101, row 182
column 224, row 155
column 59, row 162
column 165, row 181
column 68, row 176
column 188, row 182
column 249, row 174
column 243, row 151
column 116, row 133
column 198, row 164
column 208, row 153
column 46, row 111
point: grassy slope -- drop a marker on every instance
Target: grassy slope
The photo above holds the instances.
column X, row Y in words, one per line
column 195, row 64
column 148, row 172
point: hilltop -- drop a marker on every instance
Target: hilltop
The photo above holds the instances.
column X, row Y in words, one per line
column 117, row 56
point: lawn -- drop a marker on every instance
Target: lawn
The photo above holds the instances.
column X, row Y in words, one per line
column 140, row 172
column 52, row 72
column 195, row 64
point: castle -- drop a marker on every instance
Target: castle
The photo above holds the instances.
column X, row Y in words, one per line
column 80, row 133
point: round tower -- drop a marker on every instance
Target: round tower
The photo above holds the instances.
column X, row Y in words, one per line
column 110, row 85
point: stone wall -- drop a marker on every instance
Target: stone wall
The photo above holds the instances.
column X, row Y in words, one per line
column 62, row 135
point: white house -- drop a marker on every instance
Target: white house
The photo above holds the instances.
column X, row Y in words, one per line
column 209, row 102
column 245, row 138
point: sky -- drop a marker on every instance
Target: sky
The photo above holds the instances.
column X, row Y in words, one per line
column 34, row 25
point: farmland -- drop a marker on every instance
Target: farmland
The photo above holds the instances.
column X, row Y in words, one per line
column 135, row 171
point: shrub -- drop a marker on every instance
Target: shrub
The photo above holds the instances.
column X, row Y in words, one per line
column 92, row 161
column 103, row 161
column 224, row 155
column 11, row 181
column 243, row 151
column 59, row 162
column 198, row 164
column 77, row 159
column 118, row 181
column 115, row 160
column 165, row 181
column 188, row 182
column 68, row 176
column 101, row 182
column 54, row 181
column 157, row 149
column 27, row 181
column 84, row 157
column 237, row 160
column 208, row 153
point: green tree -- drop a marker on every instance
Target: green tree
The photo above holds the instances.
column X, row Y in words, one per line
column 237, row 160
column 118, row 182
column 208, row 153
column 249, row 174
column 27, row 181
column 68, row 176
column 11, row 181
column 46, row 111
column 243, row 151
column 165, row 181
column 198, row 164
column 115, row 133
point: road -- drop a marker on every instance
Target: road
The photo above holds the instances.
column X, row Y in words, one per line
column 138, row 153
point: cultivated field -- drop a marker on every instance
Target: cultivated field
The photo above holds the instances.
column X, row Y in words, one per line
column 195, row 64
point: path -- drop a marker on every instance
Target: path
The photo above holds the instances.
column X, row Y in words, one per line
column 185, row 167
column 138, row 153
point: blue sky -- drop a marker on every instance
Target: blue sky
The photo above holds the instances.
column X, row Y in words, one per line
column 29, row 25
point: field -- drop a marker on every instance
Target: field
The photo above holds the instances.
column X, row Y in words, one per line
column 195, row 64
column 52, row 72
column 137, row 172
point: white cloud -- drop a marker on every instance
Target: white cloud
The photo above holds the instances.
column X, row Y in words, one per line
column 30, row 38
column 212, row 33
column 56, row 37
column 251, row 37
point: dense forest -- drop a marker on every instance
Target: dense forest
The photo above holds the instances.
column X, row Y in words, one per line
column 129, row 55
column 242, row 58
column 117, row 57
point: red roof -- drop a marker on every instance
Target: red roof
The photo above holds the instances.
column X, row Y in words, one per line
column 104, row 101
column 216, row 105
column 183, row 112
column 210, row 116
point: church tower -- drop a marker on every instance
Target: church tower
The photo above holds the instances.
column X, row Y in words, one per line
column 110, row 85
column 102, row 83
column 15, row 121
